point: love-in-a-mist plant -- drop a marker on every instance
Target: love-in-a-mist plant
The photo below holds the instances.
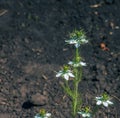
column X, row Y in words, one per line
column 43, row 114
column 73, row 71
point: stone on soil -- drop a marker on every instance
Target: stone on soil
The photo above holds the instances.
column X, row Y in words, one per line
column 39, row 99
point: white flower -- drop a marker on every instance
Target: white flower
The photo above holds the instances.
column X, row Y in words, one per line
column 76, row 64
column 65, row 73
column 77, row 37
column 43, row 114
column 47, row 115
column 103, row 100
column 76, row 42
column 85, row 114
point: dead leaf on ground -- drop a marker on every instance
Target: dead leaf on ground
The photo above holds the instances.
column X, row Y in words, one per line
column 3, row 11
column 112, row 25
column 44, row 77
column 103, row 47
column 96, row 5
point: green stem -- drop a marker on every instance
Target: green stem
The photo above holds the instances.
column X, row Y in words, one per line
column 75, row 102
column 75, row 99
column 77, row 54
column 78, row 77
column 68, row 90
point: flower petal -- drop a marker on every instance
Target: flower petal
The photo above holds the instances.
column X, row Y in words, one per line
column 72, row 41
column 66, row 76
column 58, row 74
column 83, row 63
column 71, row 75
column 70, row 62
column 48, row 114
column 105, row 104
column 84, row 41
column 37, row 116
column 99, row 102
column 88, row 114
column 80, row 112
column 84, row 115
column 109, row 102
column 98, row 98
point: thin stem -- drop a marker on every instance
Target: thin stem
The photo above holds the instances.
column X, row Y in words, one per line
column 76, row 82
column 67, row 89
column 75, row 99
column 77, row 54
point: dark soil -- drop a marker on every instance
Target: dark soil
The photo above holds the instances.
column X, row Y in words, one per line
column 32, row 50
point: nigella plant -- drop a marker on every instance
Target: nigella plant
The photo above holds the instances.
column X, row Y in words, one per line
column 85, row 112
column 43, row 114
column 104, row 100
column 73, row 71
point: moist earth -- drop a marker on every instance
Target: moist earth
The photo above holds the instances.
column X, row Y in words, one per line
column 33, row 49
